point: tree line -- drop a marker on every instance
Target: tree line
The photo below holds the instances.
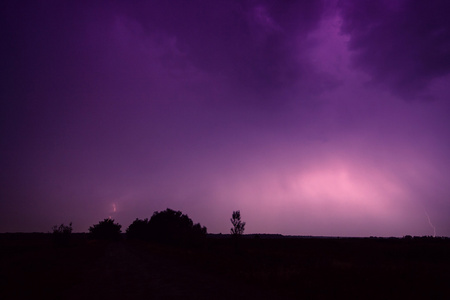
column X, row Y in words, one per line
column 168, row 226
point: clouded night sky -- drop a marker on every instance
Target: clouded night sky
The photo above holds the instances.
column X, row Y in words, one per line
column 311, row 118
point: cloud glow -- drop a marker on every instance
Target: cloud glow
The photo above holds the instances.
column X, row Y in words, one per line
column 310, row 117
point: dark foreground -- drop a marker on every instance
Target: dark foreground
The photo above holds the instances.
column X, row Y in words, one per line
column 31, row 266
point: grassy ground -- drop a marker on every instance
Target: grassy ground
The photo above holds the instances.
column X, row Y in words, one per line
column 31, row 266
column 328, row 268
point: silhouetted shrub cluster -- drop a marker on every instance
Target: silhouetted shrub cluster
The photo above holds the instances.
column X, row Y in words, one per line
column 139, row 229
column 62, row 234
column 167, row 226
column 105, row 230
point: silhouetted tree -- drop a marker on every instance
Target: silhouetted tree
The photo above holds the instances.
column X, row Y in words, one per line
column 139, row 229
column 238, row 225
column 62, row 233
column 173, row 227
column 105, row 230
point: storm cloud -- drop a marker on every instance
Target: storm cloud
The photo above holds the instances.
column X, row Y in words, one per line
column 404, row 45
column 303, row 115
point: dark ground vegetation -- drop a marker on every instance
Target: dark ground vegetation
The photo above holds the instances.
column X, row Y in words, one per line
column 168, row 227
column 32, row 266
column 105, row 230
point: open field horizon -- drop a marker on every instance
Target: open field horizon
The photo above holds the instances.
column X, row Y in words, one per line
column 248, row 235
column 257, row 267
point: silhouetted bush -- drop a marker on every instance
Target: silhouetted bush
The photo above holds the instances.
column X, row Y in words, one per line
column 62, row 234
column 173, row 227
column 139, row 229
column 105, row 230
column 238, row 225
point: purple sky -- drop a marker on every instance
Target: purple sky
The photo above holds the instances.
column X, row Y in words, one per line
column 312, row 118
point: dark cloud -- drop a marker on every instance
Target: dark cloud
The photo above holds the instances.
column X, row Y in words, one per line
column 257, row 47
column 402, row 44
column 254, row 45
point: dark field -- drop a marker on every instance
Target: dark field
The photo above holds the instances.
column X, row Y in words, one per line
column 32, row 267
